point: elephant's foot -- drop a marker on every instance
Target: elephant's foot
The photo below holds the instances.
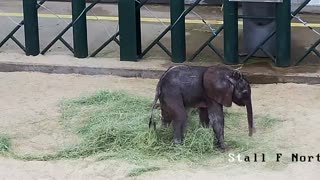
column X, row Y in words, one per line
column 177, row 141
column 221, row 147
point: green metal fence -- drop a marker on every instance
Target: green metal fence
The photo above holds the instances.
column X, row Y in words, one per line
column 129, row 35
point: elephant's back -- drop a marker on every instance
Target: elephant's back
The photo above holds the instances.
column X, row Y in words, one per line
column 183, row 74
column 185, row 81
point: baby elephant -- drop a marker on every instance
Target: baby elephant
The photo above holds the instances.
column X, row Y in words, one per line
column 205, row 88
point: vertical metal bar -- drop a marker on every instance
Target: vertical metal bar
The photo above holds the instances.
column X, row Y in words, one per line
column 80, row 40
column 114, row 37
column 283, row 33
column 129, row 24
column 178, row 37
column 230, row 16
column 31, row 28
column 138, row 28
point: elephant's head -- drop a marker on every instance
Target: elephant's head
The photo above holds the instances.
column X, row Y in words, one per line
column 225, row 85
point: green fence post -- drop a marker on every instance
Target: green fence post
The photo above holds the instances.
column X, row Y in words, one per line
column 130, row 30
column 178, row 32
column 31, row 28
column 230, row 19
column 80, row 40
column 283, row 33
column 138, row 29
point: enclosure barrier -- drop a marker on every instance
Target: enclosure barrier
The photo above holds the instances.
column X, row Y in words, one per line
column 30, row 16
column 284, row 46
column 130, row 32
column 230, row 22
column 230, row 26
column 31, row 27
column 80, row 38
column 283, row 30
column 209, row 44
column 313, row 46
column 311, row 49
column 177, row 28
column 129, row 14
column 78, row 23
column 178, row 38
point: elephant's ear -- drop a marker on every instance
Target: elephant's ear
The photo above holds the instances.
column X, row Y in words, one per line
column 218, row 85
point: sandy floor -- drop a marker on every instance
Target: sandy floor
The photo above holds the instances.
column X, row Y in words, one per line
column 29, row 114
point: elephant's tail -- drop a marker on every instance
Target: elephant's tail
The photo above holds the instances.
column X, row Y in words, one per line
column 156, row 98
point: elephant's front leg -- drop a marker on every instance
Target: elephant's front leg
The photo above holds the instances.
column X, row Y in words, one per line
column 215, row 112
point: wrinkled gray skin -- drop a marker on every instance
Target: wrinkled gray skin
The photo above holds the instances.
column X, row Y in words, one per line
column 205, row 88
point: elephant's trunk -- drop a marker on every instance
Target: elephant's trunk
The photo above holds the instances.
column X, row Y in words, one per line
column 250, row 117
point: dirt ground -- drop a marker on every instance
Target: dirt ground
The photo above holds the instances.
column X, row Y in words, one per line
column 30, row 115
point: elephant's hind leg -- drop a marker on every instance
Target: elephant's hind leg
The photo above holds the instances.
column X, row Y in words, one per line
column 204, row 118
column 165, row 116
column 178, row 115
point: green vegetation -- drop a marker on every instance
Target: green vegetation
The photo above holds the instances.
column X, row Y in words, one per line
column 5, row 144
column 139, row 171
column 115, row 125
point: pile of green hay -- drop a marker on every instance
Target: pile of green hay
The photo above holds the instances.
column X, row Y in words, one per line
column 5, row 144
column 115, row 125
